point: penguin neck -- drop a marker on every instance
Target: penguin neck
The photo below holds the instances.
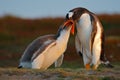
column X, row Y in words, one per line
column 63, row 36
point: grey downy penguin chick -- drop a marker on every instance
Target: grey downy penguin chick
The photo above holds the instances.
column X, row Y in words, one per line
column 45, row 50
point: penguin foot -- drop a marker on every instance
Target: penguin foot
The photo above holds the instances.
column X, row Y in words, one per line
column 94, row 67
column 87, row 66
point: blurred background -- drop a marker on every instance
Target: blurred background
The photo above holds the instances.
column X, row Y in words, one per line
column 23, row 21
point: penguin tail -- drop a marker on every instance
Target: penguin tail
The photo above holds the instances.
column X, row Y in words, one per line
column 19, row 67
column 107, row 64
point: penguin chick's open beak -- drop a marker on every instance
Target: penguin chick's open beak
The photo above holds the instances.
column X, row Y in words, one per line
column 68, row 23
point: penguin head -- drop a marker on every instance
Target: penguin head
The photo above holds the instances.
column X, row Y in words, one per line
column 73, row 16
column 69, row 24
column 76, row 13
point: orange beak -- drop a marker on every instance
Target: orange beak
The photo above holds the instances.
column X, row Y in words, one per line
column 70, row 22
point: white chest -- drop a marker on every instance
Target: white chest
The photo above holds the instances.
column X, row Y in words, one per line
column 53, row 51
column 84, row 29
column 53, row 54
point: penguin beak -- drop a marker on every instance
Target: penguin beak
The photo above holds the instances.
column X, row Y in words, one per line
column 68, row 23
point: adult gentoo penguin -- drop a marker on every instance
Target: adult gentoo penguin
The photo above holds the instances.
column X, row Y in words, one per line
column 45, row 50
column 89, row 39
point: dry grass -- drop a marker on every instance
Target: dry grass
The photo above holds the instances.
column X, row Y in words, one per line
column 60, row 74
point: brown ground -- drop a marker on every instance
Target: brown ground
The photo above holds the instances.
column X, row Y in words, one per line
column 59, row 74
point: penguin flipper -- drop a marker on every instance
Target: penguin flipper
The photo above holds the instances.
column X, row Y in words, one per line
column 59, row 61
column 35, row 45
column 47, row 45
column 78, row 46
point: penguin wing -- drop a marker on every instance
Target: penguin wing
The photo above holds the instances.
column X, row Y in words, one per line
column 35, row 45
column 47, row 45
column 59, row 61
column 78, row 46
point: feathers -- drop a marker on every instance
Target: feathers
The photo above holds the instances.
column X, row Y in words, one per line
column 35, row 45
column 78, row 45
column 45, row 50
column 59, row 61
column 70, row 14
column 90, row 37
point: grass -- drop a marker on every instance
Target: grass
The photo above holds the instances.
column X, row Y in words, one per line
column 60, row 74
column 68, row 71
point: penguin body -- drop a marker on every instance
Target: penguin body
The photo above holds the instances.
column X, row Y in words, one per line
column 89, row 40
column 45, row 50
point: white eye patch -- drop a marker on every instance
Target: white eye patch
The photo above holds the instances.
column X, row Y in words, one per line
column 70, row 14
